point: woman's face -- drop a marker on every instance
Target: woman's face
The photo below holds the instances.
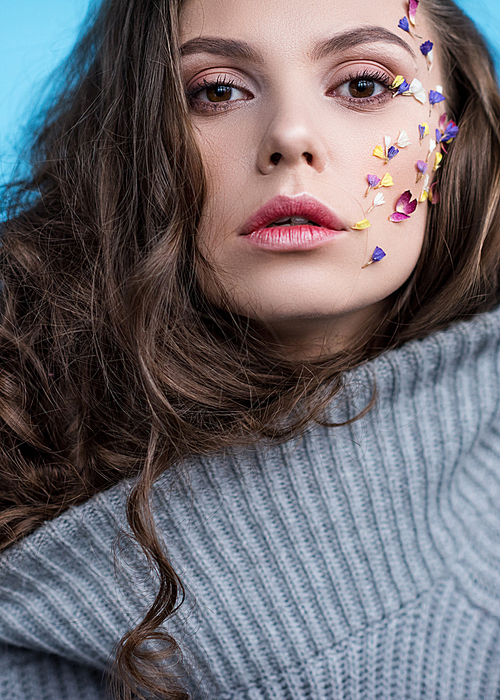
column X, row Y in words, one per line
column 289, row 98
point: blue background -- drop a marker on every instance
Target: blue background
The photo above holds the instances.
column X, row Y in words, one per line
column 35, row 35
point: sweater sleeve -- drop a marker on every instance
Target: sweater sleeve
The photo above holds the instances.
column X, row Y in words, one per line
column 33, row 675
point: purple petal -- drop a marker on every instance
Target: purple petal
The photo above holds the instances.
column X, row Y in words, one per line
column 411, row 207
column 426, row 47
column 422, row 166
column 439, row 136
column 393, row 151
column 373, row 180
column 398, row 216
column 378, row 254
column 435, row 97
column 403, row 87
column 450, row 132
column 421, row 131
column 403, row 201
column 404, row 25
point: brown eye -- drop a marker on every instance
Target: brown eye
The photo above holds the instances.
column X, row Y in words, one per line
column 219, row 93
column 360, row 87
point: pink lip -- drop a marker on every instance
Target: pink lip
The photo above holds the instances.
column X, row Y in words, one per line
column 298, row 237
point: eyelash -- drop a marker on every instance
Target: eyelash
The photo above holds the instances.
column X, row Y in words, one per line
column 222, row 80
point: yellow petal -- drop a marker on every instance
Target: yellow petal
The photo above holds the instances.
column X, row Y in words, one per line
column 397, row 82
column 426, row 128
column 386, row 181
column 423, row 196
column 360, row 225
column 437, row 160
column 378, row 151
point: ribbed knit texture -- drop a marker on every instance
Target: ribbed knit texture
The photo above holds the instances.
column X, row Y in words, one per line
column 357, row 563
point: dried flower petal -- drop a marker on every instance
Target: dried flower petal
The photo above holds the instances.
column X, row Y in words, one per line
column 360, row 225
column 377, row 255
column 426, row 47
column 442, row 121
column 437, row 161
column 377, row 202
column 435, row 97
column 450, row 132
column 425, row 191
column 386, row 153
column 403, row 141
column 373, row 181
column 402, row 89
column 417, row 90
column 404, row 208
column 386, row 181
column 398, row 216
column 391, row 153
column 423, row 130
column 432, row 146
column 397, row 82
column 422, row 169
column 412, row 10
column 404, row 24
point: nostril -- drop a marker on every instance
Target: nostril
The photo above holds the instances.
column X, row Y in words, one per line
column 308, row 157
column 275, row 158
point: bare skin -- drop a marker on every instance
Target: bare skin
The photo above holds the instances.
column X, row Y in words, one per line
column 287, row 117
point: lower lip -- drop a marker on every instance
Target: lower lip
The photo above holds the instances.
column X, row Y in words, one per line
column 291, row 238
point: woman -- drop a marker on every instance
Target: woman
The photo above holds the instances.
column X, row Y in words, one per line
column 230, row 318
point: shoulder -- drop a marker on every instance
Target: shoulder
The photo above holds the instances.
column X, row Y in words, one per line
column 60, row 590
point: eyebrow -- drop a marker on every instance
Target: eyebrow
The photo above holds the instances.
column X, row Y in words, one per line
column 230, row 48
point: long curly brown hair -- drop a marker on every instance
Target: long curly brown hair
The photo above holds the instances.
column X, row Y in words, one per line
column 113, row 364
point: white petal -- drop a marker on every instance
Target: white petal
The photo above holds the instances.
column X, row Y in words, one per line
column 417, row 90
column 379, row 199
column 439, row 88
column 403, row 140
column 387, row 142
column 432, row 145
column 430, row 59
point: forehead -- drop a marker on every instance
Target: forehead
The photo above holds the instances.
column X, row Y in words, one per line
column 294, row 20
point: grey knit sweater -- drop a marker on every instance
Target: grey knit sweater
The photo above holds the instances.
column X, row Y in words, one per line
column 358, row 563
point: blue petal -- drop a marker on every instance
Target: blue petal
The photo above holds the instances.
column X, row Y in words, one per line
column 378, row 254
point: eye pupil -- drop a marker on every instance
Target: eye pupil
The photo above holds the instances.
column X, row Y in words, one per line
column 361, row 87
column 219, row 93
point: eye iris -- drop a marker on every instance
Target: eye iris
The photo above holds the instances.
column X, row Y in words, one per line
column 361, row 87
column 219, row 93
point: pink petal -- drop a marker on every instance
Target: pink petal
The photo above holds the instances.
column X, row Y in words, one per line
column 412, row 10
column 442, row 122
column 411, row 207
column 398, row 216
column 404, row 205
column 403, row 201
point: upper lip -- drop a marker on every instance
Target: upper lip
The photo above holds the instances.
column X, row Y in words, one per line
column 304, row 205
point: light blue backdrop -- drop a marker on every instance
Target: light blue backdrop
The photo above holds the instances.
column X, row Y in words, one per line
column 35, row 35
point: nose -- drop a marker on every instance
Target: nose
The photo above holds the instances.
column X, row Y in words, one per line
column 291, row 139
